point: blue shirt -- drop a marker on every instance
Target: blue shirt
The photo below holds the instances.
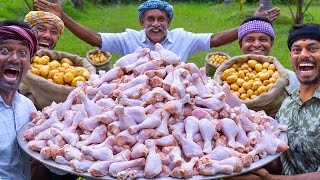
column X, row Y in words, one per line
column 14, row 163
column 179, row 41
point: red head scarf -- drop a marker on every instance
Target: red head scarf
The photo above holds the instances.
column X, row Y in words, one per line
column 22, row 34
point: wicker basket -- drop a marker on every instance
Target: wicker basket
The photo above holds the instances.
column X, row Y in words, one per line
column 106, row 65
column 211, row 68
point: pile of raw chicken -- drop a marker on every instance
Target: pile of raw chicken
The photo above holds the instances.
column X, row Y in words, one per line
column 153, row 116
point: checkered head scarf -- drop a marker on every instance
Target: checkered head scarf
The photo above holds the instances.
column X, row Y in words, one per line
column 155, row 4
column 255, row 26
column 35, row 17
column 22, row 34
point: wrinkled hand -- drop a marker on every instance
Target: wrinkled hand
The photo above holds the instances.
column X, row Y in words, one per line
column 258, row 174
column 43, row 5
column 271, row 14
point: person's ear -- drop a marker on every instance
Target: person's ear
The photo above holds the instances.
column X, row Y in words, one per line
column 271, row 45
column 141, row 22
column 240, row 45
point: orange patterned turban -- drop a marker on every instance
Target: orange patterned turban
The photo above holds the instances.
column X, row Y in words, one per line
column 35, row 17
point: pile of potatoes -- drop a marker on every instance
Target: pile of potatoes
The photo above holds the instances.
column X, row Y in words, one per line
column 98, row 57
column 217, row 59
column 250, row 79
column 60, row 72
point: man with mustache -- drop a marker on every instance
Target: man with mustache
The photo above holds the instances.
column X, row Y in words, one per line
column 256, row 36
column 47, row 27
column 17, row 45
column 300, row 110
column 155, row 18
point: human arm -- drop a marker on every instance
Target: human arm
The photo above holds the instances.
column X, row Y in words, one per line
column 80, row 31
column 261, row 173
column 273, row 167
column 223, row 37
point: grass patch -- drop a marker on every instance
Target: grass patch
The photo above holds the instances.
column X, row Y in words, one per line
column 195, row 17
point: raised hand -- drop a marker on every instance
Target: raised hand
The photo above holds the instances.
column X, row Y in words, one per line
column 43, row 5
column 271, row 14
column 258, row 174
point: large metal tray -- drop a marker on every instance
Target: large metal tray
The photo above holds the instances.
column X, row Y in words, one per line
column 68, row 169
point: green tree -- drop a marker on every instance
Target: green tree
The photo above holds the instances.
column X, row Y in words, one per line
column 300, row 12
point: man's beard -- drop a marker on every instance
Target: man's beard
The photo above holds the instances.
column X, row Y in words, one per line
column 314, row 81
column 310, row 82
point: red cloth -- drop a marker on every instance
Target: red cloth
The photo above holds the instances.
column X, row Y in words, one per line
column 20, row 33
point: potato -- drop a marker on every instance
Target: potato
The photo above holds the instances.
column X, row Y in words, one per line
column 272, row 67
column 272, row 80
column 261, row 89
column 35, row 71
column 265, row 65
column 256, row 85
column 231, row 79
column 65, row 65
column 241, row 74
column 276, row 75
column 44, row 71
column 78, row 71
column 86, row 74
column 264, row 76
column 54, row 64
column 250, row 92
column 252, row 63
column 68, row 77
column 36, row 59
column 244, row 96
column 44, row 60
column 234, row 87
column 77, row 79
column 38, row 66
column 61, row 69
column 244, row 66
column 240, row 81
column 58, row 78
column 247, row 85
column 258, row 67
column 242, row 90
column 70, row 69
column 66, row 60
column 51, row 73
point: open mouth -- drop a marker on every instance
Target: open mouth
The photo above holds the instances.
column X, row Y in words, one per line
column 155, row 30
column 256, row 51
column 11, row 74
column 306, row 67
column 45, row 45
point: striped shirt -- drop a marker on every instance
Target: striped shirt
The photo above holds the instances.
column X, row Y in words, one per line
column 14, row 163
column 303, row 120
